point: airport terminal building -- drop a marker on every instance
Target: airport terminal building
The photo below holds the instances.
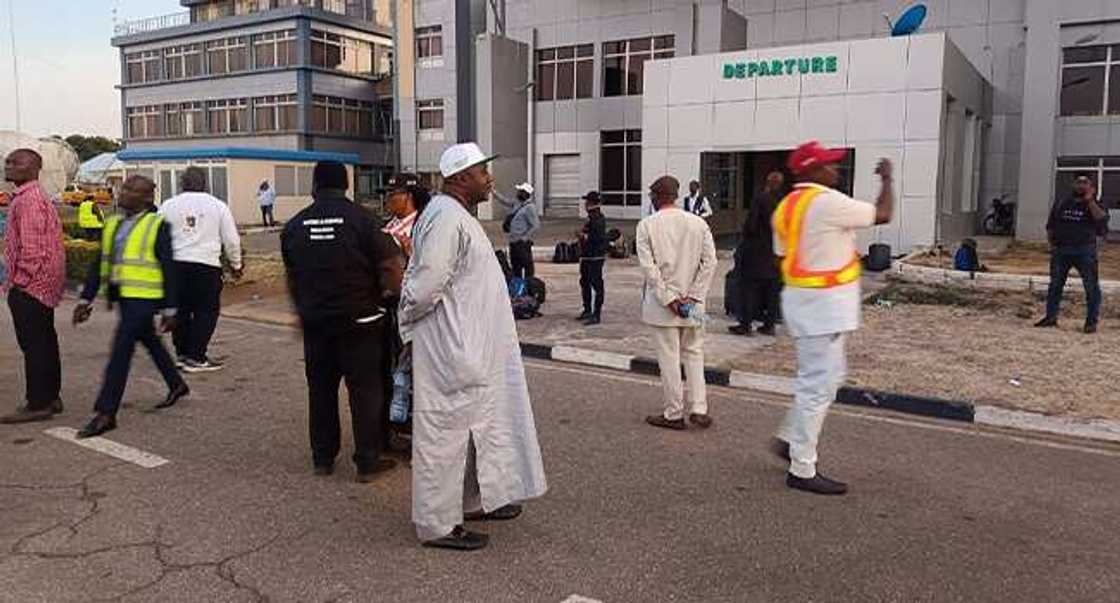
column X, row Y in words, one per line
column 582, row 95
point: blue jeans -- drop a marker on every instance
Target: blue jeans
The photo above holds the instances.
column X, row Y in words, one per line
column 1084, row 259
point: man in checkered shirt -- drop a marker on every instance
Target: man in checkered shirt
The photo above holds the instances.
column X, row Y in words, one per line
column 36, row 278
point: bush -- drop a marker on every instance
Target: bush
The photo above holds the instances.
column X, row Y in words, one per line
column 79, row 255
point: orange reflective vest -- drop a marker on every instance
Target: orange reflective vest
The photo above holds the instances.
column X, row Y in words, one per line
column 789, row 224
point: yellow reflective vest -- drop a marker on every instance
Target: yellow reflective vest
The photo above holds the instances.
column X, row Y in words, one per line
column 137, row 273
column 789, row 224
column 87, row 218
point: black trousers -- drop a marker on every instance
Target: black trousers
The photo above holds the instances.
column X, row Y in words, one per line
column 760, row 301
column 356, row 355
column 42, row 368
column 521, row 259
column 200, row 304
column 591, row 282
column 266, row 215
column 136, row 325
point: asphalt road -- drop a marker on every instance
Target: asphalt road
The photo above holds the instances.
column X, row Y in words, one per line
column 937, row 512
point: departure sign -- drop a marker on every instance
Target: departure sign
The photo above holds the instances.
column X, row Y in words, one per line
column 776, row 67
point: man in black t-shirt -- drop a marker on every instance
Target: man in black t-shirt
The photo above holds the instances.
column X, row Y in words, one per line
column 1073, row 228
column 342, row 272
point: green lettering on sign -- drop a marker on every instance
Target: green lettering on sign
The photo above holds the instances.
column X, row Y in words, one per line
column 775, row 67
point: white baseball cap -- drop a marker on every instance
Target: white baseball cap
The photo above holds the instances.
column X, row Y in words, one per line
column 461, row 157
column 525, row 187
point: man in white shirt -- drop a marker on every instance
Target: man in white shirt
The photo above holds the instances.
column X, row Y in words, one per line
column 202, row 228
column 815, row 235
column 266, row 198
column 697, row 203
column 678, row 258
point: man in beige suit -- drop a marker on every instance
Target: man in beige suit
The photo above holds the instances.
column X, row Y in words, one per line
column 678, row 258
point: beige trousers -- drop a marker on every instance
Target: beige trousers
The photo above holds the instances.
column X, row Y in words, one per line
column 677, row 346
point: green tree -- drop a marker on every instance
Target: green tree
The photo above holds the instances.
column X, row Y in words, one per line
column 89, row 147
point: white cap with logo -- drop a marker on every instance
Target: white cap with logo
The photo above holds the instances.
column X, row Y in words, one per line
column 461, row 157
column 524, row 187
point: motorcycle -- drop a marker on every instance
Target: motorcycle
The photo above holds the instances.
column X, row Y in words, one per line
column 1001, row 217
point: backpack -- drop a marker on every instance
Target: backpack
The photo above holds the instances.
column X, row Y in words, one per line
column 537, row 289
column 565, row 253
column 966, row 259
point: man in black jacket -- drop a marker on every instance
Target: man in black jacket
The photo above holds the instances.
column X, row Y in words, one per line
column 1073, row 228
column 756, row 264
column 342, row 272
column 593, row 256
column 135, row 268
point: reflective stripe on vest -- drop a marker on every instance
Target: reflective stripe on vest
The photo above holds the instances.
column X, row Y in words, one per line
column 86, row 217
column 138, row 273
column 789, row 224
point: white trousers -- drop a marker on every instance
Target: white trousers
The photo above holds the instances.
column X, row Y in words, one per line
column 677, row 346
column 821, row 368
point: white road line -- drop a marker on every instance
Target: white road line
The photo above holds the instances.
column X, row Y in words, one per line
column 580, row 599
column 972, row 429
column 135, row 456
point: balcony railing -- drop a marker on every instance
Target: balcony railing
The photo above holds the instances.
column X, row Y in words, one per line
column 139, row 26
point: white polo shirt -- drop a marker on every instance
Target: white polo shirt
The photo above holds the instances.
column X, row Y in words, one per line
column 828, row 242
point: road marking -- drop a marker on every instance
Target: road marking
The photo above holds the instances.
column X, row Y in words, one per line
column 563, row 353
column 973, row 429
column 1097, row 429
column 580, row 599
column 135, row 456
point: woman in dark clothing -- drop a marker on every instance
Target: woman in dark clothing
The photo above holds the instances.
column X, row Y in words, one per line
column 593, row 256
column 756, row 264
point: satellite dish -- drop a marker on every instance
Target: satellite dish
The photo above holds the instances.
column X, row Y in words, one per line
column 910, row 21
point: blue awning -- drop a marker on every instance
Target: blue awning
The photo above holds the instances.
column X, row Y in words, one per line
column 175, row 154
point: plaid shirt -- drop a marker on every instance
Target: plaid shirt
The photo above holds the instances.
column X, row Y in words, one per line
column 33, row 246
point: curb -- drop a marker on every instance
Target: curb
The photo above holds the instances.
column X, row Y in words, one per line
column 952, row 410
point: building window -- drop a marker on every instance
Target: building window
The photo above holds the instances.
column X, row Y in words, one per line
column 341, row 53
column 565, row 73
column 293, row 181
column 276, row 113
column 1104, row 171
column 183, row 61
column 335, row 6
column 343, row 116
column 274, row 49
column 248, row 7
column 142, row 66
column 623, row 63
column 144, row 122
column 228, row 116
column 227, row 56
column 429, row 114
column 383, row 125
column 429, row 42
column 212, row 11
column 184, row 119
column 1090, row 81
column 620, row 167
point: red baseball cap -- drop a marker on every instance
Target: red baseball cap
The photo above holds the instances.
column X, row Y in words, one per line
column 811, row 154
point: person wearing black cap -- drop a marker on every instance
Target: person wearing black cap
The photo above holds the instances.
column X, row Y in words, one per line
column 404, row 200
column 342, row 269
column 593, row 256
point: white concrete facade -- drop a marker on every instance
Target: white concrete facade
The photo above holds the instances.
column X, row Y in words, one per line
column 886, row 97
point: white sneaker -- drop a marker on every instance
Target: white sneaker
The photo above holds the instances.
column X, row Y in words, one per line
column 206, row 366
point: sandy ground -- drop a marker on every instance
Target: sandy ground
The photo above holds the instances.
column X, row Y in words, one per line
column 1028, row 258
column 985, row 352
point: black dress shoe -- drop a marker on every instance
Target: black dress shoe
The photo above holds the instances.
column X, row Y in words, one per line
column 818, row 484
column 699, row 420
column 98, row 425
column 1047, row 322
column 1090, row 328
column 178, row 392
column 593, row 320
column 743, row 330
column 506, row 513
column 585, row 315
column 662, row 422
column 767, row 330
column 23, row 414
column 460, row 539
column 323, row 470
column 366, row 476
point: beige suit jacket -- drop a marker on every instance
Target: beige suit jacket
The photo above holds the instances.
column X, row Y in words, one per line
column 678, row 259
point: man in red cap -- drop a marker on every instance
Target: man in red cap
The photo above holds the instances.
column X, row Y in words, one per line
column 815, row 235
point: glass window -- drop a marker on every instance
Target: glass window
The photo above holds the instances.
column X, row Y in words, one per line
column 429, row 42
column 429, row 114
column 620, row 167
column 144, row 122
column 624, row 63
column 284, row 178
column 1090, row 83
column 218, row 183
column 565, row 73
column 1105, row 171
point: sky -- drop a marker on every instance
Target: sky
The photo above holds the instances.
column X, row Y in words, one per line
column 67, row 68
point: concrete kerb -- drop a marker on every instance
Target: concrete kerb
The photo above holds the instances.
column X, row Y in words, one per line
column 987, row 280
column 953, row 410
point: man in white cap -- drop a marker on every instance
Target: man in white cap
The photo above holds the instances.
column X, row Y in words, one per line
column 475, row 455
column 521, row 223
